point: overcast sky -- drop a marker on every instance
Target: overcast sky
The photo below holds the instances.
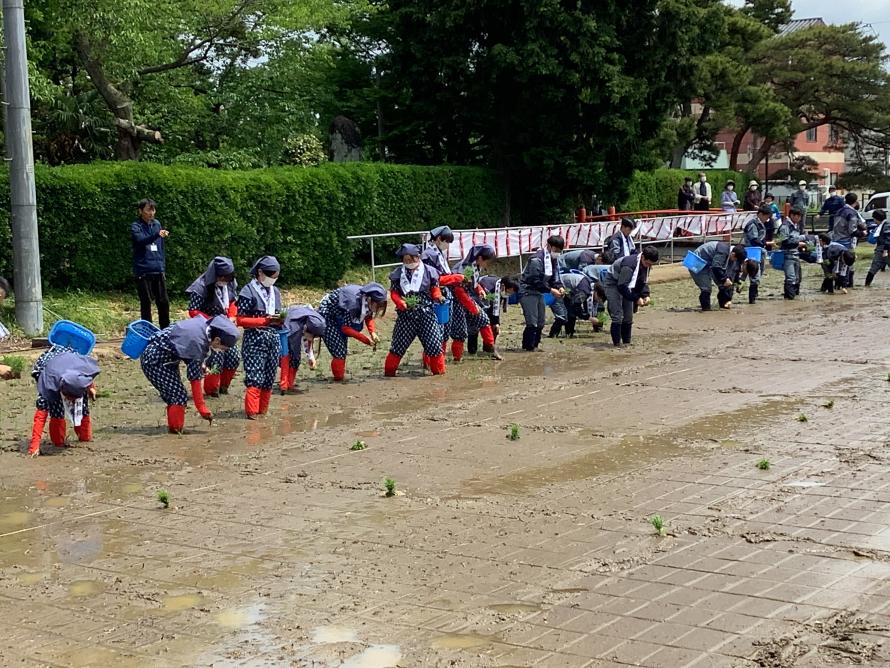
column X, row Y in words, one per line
column 873, row 12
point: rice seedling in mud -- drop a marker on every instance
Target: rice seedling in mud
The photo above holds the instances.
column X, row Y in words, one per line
column 513, row 432
column 390, row 486
column 359, row 445
column 802, row 418
column 164, row 498
column 763, row 465
column 658, row 523
column 412, row 301
column 103, row 394
column 828, row 404
column 16, row 363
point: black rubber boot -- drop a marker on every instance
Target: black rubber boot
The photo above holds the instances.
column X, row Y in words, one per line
column 850, row 278
column 752, row 293
column 626, row 329
column 615, row 331
column 539, row 332
column 827, row 285
column 788, row 292
column 704, row 299
column 473, row 344
column 869, row 277
column 570, row 327
column 528, row 338
column 555, row 329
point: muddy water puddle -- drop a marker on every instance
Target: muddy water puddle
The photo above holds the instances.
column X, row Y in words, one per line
column 632, row 452
column 463, row 641
column 325, row 635
column 80, row 588
column 181, row 602
column 514, row 608
column 375, row 656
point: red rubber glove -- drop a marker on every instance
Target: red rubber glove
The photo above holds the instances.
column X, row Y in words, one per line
column 233, row 310
column 355, row 334
column 436, row 293
column 194, row 312
column 451, row 279
column 465, row 301
column 398, row 301
column 198, row 398
column 253, row 321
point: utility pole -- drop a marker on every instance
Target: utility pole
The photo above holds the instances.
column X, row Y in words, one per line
column 20, row 156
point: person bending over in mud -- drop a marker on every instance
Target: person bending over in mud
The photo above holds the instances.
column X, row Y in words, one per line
column 724, row 266
column 625, row 284
column 65, row 385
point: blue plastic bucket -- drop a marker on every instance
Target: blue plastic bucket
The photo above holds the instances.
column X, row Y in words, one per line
column 282, row 343
column 694, row 263
column 872, row 239
column 777, row 259
column 138, row 334
column 443, row 312
column 754, row 253
column 549, row 299
column 74, row 336
column 513, row 299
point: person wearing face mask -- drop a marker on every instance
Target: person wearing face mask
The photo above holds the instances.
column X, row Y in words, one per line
column 414, row 287
column 65, row 385
column 800, row 199
column 189, row 341
column 729, row 201
column 753, row 197
column 701, row 193
column 468, row 314
column 540, row 276
column 685, row 196
column 213, row 293
column 347, row 311
column 435, row 255
column 303, row 325
column 259, row 308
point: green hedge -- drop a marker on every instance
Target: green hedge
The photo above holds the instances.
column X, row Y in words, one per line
column 658, row 189
column 301, row 215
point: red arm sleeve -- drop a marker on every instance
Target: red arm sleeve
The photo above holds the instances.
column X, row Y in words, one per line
column 252, row 321
column 465, row 301
column 355, row 334
column 372, row 328
column 451, row 279
column 480, row 290
column 198, row 398
column 194, row 312
column 398, row 301
column 233, row 310
column 435, row 293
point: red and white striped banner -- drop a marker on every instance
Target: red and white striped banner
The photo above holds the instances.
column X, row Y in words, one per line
column 512, row 241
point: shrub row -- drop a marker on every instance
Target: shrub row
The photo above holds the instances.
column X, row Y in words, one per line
column 301, row 215
column 658, row 189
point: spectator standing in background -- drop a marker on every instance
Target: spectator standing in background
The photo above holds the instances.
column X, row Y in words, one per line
column 149, row 263
column 685, row 196
column 800, row 199
column 701, row 192
column 753, row 197
column 729, row 201
column 831, row 206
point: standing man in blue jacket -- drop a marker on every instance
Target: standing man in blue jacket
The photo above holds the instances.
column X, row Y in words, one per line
column 831, row 206
column 149, row 263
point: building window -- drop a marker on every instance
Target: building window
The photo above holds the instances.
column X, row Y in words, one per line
column 834, row 135
column 811, row 135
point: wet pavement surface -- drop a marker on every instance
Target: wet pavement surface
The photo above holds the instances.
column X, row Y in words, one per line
column 279, row 547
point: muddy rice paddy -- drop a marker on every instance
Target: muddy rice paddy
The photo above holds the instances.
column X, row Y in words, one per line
column 280, row 548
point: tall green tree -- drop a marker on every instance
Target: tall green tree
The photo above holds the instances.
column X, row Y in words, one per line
column 826, row 75
column 563, row 98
